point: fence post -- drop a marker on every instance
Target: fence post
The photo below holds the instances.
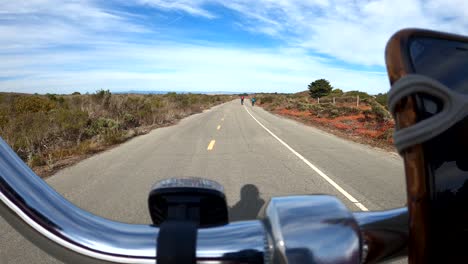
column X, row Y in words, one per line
column 318, row 100
column 357, row 101
column 333, row 100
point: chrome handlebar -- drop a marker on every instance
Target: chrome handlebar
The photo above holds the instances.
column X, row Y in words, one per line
column 296, row 229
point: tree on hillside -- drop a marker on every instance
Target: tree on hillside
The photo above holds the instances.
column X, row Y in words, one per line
column 319, row 88
column 336, row 92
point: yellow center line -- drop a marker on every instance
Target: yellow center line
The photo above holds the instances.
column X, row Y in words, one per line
column 219, row 127
column 211, row 145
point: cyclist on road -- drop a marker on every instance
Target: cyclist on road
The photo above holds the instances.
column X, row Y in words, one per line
column 253, row 100
column 242, row 100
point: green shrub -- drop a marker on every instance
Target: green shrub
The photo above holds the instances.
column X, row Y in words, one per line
column 101, row 125
column 266, row 99
column 45, row 128
column 382, row 99
column 362, row 95
column 316, row 110
column 336, row 93
column 347, row 111
column 332, row 111
column 36, row 160
column 28, row 133
column 129, row 121
column 302, row 106
column 102, row 97
column 157, row 103
column 387, row 134
column 71, row 123
column 113, row 136
column 32, row 104
column 4, row 118
column 380, row 113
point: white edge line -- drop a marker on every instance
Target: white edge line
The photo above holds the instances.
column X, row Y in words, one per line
column 312, row 166
column 66, row 244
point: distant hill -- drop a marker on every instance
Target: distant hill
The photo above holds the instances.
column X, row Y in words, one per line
column 303, row 93
column 179, row 92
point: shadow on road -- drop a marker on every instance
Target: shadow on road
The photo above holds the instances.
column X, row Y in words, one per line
column 248, row 206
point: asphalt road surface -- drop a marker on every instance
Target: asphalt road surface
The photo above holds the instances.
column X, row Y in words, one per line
column 254, row 154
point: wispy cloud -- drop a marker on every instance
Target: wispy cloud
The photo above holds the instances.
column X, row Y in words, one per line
column 173, row 66
column 191, row 7
column 353, row 31
column 62, row 46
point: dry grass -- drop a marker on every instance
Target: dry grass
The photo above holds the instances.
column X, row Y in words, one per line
column 370, row 123
column 46, row 130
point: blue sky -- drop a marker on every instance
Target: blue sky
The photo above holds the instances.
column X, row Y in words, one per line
column 51, row 46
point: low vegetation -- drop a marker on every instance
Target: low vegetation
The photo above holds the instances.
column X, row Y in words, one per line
column 354, row 115
column 51, row 131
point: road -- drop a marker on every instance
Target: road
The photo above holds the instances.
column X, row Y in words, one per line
column 243, row 148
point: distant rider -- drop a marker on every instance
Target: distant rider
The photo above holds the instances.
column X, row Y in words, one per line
column 242, row 100
column 253, row 100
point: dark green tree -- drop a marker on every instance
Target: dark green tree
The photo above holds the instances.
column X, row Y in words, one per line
column 319, row 88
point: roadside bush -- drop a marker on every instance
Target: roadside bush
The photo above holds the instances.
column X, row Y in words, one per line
column 36, row 160
column 266, row 99
column 4, row 119
column 156, row 103
column 43, row 129
column 28, row 133
column 129, row 121
column 362, row 95
column 316, row 109
column 102, row 97
column 303, row 106
column 332, row 111
column 55, row 98
column 101, row 125
column 71, row 124
column 113, row 136
column 382, row 99
column 347, row 111
column 387, row 134
column 380, row 113
column 336, row 92
column 32, row 104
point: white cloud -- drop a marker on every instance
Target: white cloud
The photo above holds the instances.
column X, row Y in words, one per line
column 353, row 31
column 172, row 66
column 106, row 55
column 191, row 7
column 45, row 23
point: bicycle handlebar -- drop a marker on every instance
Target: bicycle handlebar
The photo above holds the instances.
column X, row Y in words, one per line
column 296, row 229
